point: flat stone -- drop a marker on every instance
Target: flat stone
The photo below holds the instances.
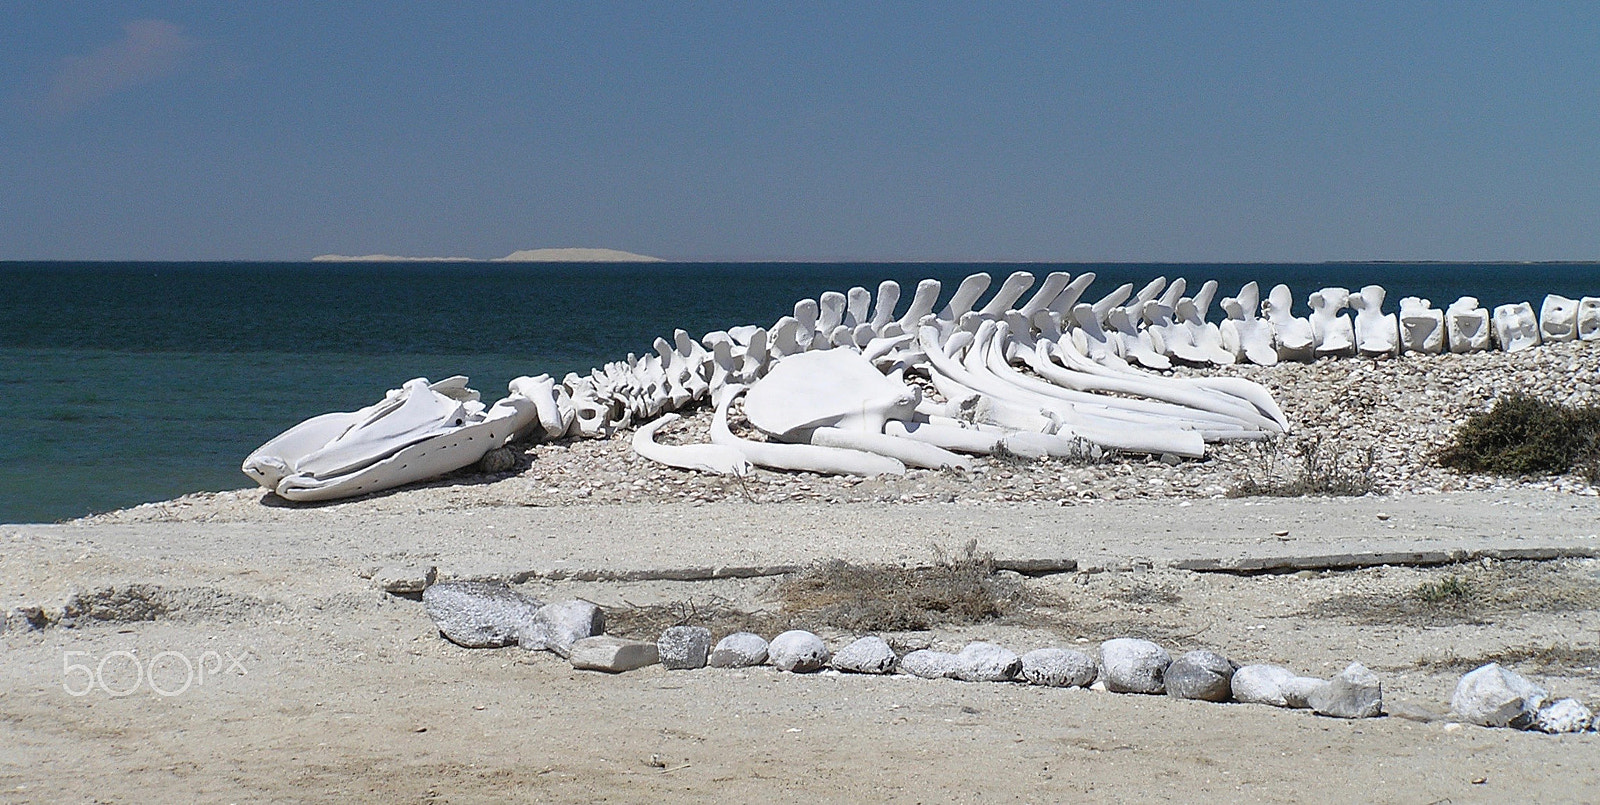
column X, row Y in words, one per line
column 1059, row 668
column 612, row 654
column 684, row 648
column 404, row 580
column 1037, row 567
column 867, row 655
column 930, row 664
column 1130, row 665
column 739, row 650
column 987, row 662
column 477, row 614
column 1355, row 693
column 797, row 651
column 561, row 623
column 1564, row 715
column 1204, row 675
column 1493, row 696
column 1261, row 684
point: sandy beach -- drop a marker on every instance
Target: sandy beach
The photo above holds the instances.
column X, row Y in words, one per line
column 229, row 647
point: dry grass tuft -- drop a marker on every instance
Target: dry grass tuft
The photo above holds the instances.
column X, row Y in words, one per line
column 956, row 590
column 715, row 613
column 1476, row 593
column 1323, row 470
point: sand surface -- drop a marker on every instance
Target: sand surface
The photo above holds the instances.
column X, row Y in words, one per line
column 321, row 686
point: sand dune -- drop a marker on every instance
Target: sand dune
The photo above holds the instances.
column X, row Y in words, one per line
column 519, row 256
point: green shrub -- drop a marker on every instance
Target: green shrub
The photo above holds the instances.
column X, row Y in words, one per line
column 1452, row 589
column 1524, row 435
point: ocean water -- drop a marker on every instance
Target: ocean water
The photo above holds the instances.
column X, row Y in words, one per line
column 123, row 383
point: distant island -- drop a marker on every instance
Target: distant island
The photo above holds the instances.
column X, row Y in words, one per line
column 521, row 256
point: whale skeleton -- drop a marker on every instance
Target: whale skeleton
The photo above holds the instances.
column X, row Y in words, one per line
column 1034, row 374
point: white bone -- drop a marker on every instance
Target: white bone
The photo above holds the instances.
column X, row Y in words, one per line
column 1292, row 335
column 1515, row 327
column 1558, row 318
column 1331, row 332
column 717, row 459
column 1467, row 325
column 1589, row 318
column 1421, row 326
column 1377, row 333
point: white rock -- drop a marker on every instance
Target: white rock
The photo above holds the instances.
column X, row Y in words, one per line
column 1355, row 693
column 739, row 650
column 1261, row 684
column 1059, row 668
column 797, row 651
column 612, row 654
column 407, row 580
column 1298, row 690
column 684, row 648
column 1129, row 665
column 930, row 664
column 559, row 624
column 1204, row 675
column 480, row 614
column 1493, row 696
column 987, row 662
column 1564, row 715
column 867, row 655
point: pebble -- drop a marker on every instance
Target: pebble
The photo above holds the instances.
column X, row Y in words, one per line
column 476, row 614
column 1059, row 668
column 797, row 651
column 1130, row 665
column 1204, row 675
column 684, row 648
column 867, row 655
column 739, row 650
column 1565, row 715
column 404, row 580
column 612, row 654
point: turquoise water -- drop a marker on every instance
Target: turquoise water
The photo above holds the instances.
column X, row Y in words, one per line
column 123, row 383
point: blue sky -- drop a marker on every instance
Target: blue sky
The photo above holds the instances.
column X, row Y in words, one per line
column 901, row 131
